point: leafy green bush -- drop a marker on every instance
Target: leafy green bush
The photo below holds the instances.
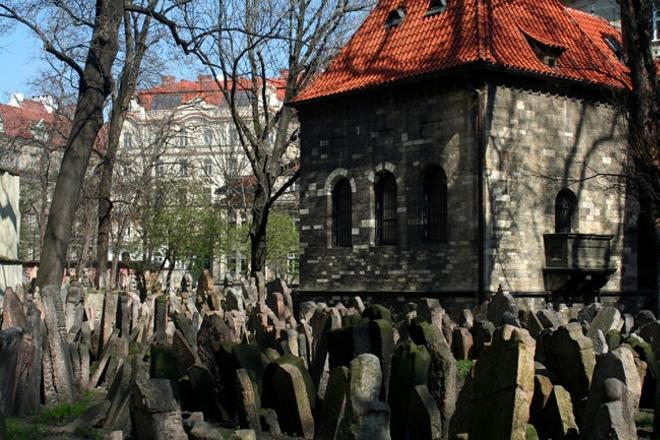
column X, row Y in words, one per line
column 464, row 367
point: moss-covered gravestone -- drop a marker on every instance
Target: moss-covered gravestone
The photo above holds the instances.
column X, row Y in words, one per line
column 410, row 367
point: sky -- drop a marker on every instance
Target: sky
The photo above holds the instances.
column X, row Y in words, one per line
column 19, row 61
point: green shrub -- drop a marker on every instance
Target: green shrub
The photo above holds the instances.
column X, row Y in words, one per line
column 464, row 366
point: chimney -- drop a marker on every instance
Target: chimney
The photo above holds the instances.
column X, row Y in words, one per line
column 167, row 80
column 15, row 99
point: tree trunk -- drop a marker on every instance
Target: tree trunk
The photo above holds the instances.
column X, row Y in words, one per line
column 120, row 106
column 94, row 87
column 258, row 245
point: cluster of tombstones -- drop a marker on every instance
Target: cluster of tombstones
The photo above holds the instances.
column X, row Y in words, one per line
column 238, row 363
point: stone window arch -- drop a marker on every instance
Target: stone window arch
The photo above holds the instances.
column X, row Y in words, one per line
column 342, row 213
column 385, row 192
column 434, row 189
column 566, row 212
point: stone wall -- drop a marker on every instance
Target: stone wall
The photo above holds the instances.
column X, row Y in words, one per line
column 537, row 145
column 401, row 130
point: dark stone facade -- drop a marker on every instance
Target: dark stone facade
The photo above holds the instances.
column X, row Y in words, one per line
column 503, row 171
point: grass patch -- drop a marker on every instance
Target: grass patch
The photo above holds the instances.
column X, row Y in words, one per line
column 65, row 412
column 23, row 429
column 464, row 366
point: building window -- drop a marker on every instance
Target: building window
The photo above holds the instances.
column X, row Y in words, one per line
column 128, row 141
column 435, row 205
column 183, row 168
column 160, row 168
column 386, row 216
column 547, row 54
column 208, row 137
column 182, row 138
column 208, row 168
column 565, row 212
column 395, row 17
column 656, row 23
column 436, row 6
column 341, row 213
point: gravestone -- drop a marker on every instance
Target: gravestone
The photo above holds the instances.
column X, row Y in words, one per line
column 442, row 372
column 108, row 320
column 624, row 394
column 570, row 355
column 335, row 406
column 29, row 364
column 247, row 404
column 370, row 416
column 288, row 389
column 607, row 319
column 155, row 411
column 500, row 304
column 424, row 419
column 74, row 306
column 10, row 347
column 12, row 311
column 504, row 386
column 462, row 343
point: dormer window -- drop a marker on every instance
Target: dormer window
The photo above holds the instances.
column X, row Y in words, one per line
column 547, row 54
column 436, row 6
column 395, row 17
column 614, row 46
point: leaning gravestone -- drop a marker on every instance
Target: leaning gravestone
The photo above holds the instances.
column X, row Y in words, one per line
column 155, row 412
column 410, row 367
column 247, row 400
column 504, row 386
column 12, row 311
column 10, row 345
column 29, row 363
column 288, row 389
column 624, row 394
column 500, row 304
column 607, row 319
column 442, row 372
column 570, row 355
column 335, row 406
column 424, row 419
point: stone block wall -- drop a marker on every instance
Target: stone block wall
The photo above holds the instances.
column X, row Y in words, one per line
column 537, row 145
column 401, row 130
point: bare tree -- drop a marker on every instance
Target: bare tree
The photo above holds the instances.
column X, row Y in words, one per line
column 95, row 80
column 244, row 45
column 136, row 34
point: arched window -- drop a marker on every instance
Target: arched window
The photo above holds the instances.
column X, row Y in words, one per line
column 565, row 212
column 341, row 213
column 386, row 216
column 435, row 205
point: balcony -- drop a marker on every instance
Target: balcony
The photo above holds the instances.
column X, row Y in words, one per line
column 576, row 264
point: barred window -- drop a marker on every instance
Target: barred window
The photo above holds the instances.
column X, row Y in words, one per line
column 386, row 217
column 565, row 212
column 435, row 205
column 341, row 213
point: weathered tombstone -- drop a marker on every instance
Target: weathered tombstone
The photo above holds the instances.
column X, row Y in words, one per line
column 466, row 319
column 504, row 386
column 588, row 313
column 570, row 355
column 12, row 311
column 58, row 374
column 548, row 319
column 160, row 322
column 288, row 389
column 10, row 347
column 410, row 367
column 108, row 320
column 382, row 344
column 247, row 404
column 555, row 418
column 462, row 343
column 84, row 349
column 124, row 317
column 628, row 324
column 482, row 334
column 600, row 344
column 101, row 365
column 615, row 385
column 74, row 306
column 442, row 372
column 424, row 419
column 643, row 317
column 335, row 406
column 370, row 416
column 155, row 412
column 29, row 364
column 607, row 318
column 500, row 304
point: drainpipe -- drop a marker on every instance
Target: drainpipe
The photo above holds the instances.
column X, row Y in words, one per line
column 480, row 137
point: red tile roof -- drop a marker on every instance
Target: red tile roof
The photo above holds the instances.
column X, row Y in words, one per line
column 489, row 32
column 205, row 88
